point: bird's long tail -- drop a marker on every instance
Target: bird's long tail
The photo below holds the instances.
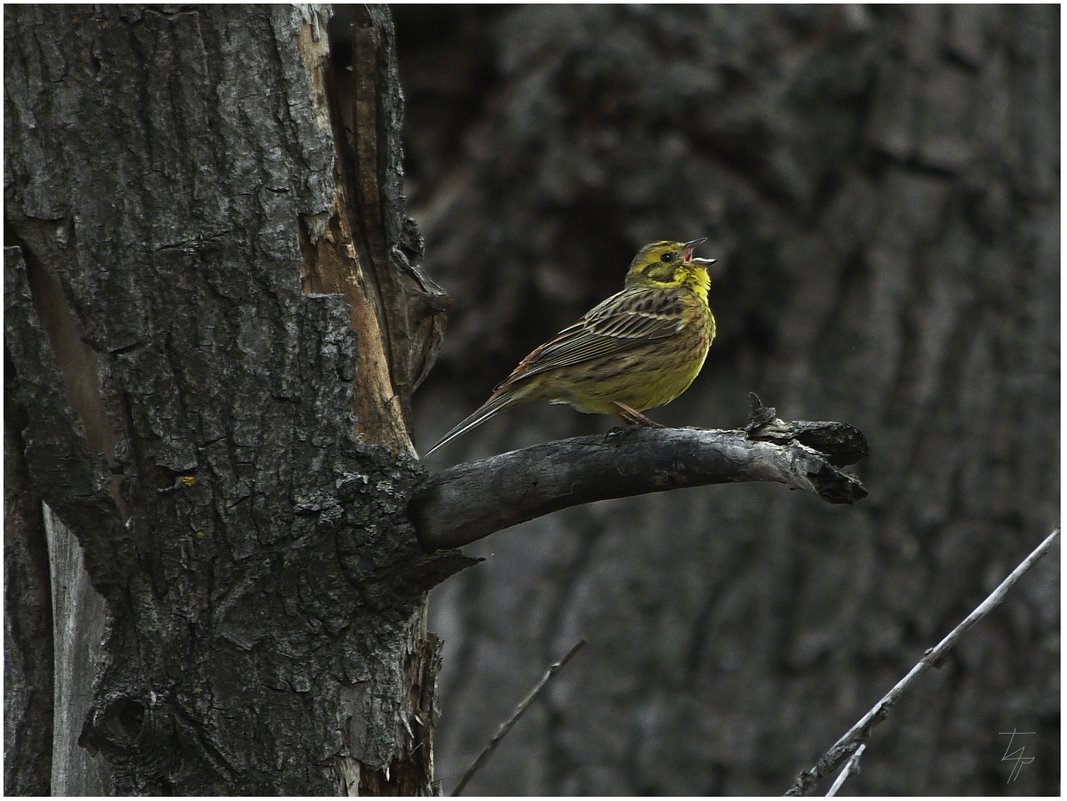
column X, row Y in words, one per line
column 479, row 416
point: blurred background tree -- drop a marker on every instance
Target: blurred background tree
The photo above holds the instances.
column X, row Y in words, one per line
column 881, row 186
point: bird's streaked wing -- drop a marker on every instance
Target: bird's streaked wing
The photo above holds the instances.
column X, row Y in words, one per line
column 610, row 328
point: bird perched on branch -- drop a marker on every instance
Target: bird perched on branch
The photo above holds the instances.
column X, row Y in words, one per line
column 639, row 349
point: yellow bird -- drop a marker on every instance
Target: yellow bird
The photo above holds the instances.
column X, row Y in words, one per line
column 639, row 349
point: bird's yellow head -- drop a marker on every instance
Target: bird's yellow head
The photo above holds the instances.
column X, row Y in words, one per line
column 670, row 264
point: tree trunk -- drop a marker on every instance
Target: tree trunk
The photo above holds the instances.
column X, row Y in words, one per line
column 214, row 321
column 880, row 184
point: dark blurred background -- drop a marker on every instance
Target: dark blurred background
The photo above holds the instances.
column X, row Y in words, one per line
column 881, row 186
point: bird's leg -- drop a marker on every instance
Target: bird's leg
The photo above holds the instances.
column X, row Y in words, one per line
column 634, row 417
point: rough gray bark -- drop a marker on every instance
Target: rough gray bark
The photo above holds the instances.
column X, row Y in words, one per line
column 880, row 185
column 213, row 320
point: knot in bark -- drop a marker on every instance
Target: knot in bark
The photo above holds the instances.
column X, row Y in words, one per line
column 131, row 730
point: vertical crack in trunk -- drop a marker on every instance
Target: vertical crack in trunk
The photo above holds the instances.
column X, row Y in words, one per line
column 336, row 262
column 367, row 249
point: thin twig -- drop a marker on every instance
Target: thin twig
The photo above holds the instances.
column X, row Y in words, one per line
column 850, row 741
column 524, row 704
column 852, row 766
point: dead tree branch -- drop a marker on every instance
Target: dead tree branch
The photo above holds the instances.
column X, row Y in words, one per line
column 472, row 500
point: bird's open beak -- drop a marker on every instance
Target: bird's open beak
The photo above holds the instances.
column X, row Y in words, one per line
column 687, row 253
column 703, row 262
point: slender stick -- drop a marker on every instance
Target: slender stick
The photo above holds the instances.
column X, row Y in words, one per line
column 850, row 741
column 524, row 704
column 852, row 766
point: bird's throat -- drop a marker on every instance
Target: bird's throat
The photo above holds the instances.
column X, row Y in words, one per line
column 697, row 281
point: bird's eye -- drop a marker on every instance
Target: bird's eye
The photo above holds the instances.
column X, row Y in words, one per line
column 667, row 257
